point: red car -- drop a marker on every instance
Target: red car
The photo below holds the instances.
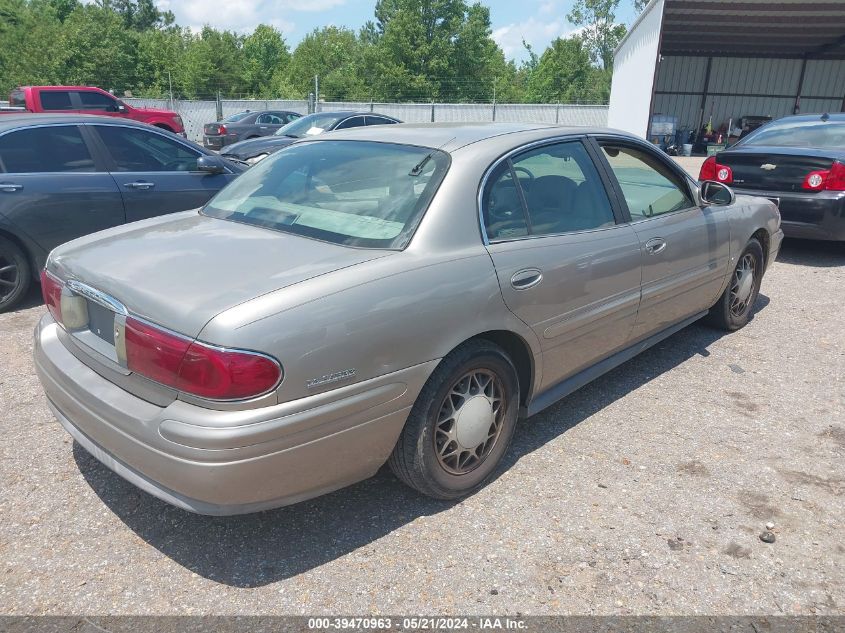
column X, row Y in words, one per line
column 89, row 100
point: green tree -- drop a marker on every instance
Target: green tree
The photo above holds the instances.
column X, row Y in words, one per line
column 563, row 73
column 266, row 58
column 601, row 33
column 333, row 54
column 639, row 5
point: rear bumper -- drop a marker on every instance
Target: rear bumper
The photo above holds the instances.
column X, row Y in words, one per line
column 815, row 216
column 216, row 142
column 228, row 462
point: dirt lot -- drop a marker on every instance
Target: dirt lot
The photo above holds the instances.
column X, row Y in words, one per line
column 643, row 493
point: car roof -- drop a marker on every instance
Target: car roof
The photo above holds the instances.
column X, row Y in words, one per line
column 831, row 116
column 10, row 121
column 452, row 136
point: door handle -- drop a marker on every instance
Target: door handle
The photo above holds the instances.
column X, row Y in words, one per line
column 655, row 245
column 10, row 187
column 139, row 185
column 527, row 278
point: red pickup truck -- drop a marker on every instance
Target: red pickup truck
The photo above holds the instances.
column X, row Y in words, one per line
column 88, row 100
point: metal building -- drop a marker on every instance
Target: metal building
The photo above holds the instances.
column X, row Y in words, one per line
column 697, row 61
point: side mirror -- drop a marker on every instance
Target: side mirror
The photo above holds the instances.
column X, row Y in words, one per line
column 121, row 107
column 716, row 194
column 210, row 165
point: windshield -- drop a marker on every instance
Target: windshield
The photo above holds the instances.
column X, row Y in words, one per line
column 355, row 193
column 310, row 125
column 237, row 117
column 791, row 133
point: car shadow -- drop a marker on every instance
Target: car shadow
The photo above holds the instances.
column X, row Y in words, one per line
column 814, row 253
column 258, row 549
column 31, row 299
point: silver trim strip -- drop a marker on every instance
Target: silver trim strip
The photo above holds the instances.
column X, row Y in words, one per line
column 101, row 298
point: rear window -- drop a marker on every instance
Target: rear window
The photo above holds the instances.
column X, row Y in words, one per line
column 236, row 117
column 17, row 99
column 354, row 193
column 814, row 133
column 55, row 100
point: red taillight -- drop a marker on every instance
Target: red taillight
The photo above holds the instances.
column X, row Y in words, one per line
column 712, row 170
column 51, row 290
column 221, row 129
column 832, row 179
column 196, row 368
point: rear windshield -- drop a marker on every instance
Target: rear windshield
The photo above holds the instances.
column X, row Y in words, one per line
column 236, row 117
column 815, row 133
column 354, row 193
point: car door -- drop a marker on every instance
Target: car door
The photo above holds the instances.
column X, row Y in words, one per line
column 95, row 103
column 53, row 187
column 685, row 247
column 155, row 172
column 269, row 122
column 567, row 265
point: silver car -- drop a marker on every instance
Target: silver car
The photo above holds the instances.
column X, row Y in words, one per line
column 398, row 294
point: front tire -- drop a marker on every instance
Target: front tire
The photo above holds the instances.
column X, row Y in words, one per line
column 15, row 274
column 461, row 424
column 733, row 309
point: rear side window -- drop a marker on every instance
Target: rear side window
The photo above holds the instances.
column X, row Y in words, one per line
column 138, row 150
column 378, row 120
column 356, row 121
column 45, row 149
column 55, row 100
column 97, row 101
column 559, row 186
column 650, row 188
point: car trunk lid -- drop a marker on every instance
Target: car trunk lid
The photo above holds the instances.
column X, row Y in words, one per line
column 181, row 271
column 772, row 168
column 213, row 129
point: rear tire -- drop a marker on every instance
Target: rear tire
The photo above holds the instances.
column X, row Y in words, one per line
column 733, row 309
column 15, row 274
column 461, row 423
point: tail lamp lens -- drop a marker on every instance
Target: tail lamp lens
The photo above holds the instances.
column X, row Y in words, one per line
column 51, row 290
column 832, row 179
column 712, row 170
column 196, row 368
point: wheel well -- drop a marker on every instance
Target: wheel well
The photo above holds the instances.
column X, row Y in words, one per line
column 35, row 273
column 520, row 354
column 762, row 236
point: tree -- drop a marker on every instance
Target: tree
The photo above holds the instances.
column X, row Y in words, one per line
column 334, row 55
column 600, row 31
column 639, row 5
column 266, row 59
column 563, row 73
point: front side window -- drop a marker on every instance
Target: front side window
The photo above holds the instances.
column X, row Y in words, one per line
column 55, row 100
column 138, row 150
column 269, row 118
column 650, row 188
column 97, row 101
column 355, row 193
column 45, row 149
column 559, row 186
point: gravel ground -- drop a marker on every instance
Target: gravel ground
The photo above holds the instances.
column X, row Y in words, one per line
column 643, row 493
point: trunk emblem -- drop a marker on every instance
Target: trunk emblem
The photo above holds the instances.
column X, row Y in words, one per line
column 768, row 166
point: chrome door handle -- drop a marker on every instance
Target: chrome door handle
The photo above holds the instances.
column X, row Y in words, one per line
column 9, row 187
column 139, row 185
column 527, row 278
column 655, row 245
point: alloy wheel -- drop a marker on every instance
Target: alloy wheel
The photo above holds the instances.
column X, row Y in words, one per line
column 9, row 277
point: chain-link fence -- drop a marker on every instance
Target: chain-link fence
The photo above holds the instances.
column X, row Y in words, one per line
column 195, row 114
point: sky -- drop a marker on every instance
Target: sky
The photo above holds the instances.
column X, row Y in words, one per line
column 536, row 21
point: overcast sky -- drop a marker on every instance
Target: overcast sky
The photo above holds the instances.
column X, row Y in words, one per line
column 536, row 21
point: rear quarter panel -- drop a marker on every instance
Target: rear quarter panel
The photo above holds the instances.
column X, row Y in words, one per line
column 747, row 216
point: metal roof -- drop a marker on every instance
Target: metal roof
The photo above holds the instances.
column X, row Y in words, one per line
column 758, row 28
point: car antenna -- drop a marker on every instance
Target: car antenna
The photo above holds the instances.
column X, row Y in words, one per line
column 417, row 169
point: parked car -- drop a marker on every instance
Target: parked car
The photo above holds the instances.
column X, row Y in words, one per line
column 88, row 100
column 258, row 149
column 62, row 176
column 798, row 162
column 245, row 126
column 396, row 293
